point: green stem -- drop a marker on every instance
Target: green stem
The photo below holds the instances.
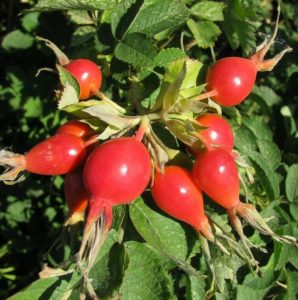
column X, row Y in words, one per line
column 212, row 54
column 153, row 116
column 143, row 128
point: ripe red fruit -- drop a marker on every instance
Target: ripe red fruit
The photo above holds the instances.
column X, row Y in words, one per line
column 215, row 172
column 175, row 192
column 77, row 128
column 56, row 155
column 76, row 195
column 59, row 154
column 230, row 80
column 116, row 172
column 88, row 75
column 218, row 134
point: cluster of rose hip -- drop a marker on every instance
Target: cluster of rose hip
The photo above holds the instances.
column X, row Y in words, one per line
column 99, row 176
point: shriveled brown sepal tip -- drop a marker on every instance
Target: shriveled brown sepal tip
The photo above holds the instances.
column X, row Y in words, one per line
column 258, row 58
column 249, row 213
column 14, row 165
column 95, row 232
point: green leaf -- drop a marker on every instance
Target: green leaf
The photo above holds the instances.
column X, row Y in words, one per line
column 144, row 277
column 267, row 94
column 106, row 112
column 193, row 68
column 50, row 288
column 17, row 40
column 209, row 10
column 173, row 70
column 167, row 56
column 82, row 34
column 225, row 267
column 259, row 127
column 292, row 183
column 204, row 32
column 280, row 256
column 265, row 174
column 35, row 290
column 171, row 95
column 179, row 83
column 257, row 287
column 160, row 231
column 284, row 253
column 294, row 211
column 109, row 132
column 292, row 279
column 33, row 107
column 185, row 130
column 288, row 112
column 107, row 276
column 77, row 108
column 240, row 25
column 265, row 282
column 68, row 97
column 71, row 91
column 123, row 15
column 30, row 21
column 245, row 140
column 188, row 105
column 248, row 293
column 158, row 17
column 17, row 211
column 107, row 272
column 189, row 93
column 80, row 17
column 270, row 152
column 74, row 4
column 136, row 49
column 67, row 78
column 195, row 287
column 137, row 16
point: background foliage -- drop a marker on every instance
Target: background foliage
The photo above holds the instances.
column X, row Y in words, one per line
column 155, row 256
